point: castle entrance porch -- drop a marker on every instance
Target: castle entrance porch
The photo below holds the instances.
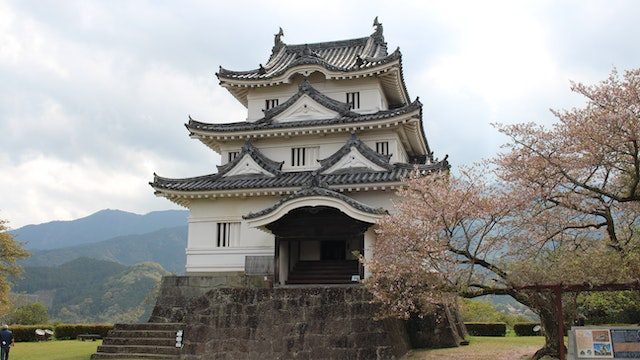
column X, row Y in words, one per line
column 318, row 245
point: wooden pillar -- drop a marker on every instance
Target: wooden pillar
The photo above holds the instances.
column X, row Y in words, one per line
column 369, row 243
column 276, row 262
column 557, row 290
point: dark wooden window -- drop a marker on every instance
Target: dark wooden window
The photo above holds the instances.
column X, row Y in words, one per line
column 233, row 155
column 353, row 99
column 299, row 156
column 223, row 234
column 382, row 147
column 270, row 103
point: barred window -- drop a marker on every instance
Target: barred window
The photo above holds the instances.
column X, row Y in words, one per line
column 233, row 155
column 270, row 103
column 298, row 156
column 304, row 156
column 226, row 233
column 382, row 147
column 353, row 99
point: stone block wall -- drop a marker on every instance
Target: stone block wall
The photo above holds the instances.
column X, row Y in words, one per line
column 176, row 292
column 235, row 316
column 290, row 323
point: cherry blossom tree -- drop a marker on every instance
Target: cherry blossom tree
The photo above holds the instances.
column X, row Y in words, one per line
column 557, row 206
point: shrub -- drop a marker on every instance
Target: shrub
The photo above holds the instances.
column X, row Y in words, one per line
column 486, row 329
column 28, row 332
column 526, row 329
column 71, row 331
column 30, row 314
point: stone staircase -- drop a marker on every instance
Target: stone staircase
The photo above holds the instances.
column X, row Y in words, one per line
column 323, row 272
column 141, row 341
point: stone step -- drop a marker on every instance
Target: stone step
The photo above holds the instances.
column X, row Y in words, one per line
column 139, row 349
column 323, row 264
column 98, row 356
column 142, row 334
column 140, row 341
column 320, row 275
column 150, row 326
column 326, row 269
column 319, row 281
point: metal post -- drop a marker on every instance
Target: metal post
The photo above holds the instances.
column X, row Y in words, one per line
column 558, row 300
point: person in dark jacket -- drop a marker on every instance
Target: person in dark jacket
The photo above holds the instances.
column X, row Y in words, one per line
column 6, row 341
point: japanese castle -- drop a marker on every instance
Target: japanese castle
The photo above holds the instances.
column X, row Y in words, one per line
column 330, row 134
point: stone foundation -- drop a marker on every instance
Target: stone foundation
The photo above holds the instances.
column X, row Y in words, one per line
column 176, row 292
column 330, row 322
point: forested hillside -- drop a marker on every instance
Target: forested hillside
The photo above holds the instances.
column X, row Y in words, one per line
column 90, row 290
column 165, row 246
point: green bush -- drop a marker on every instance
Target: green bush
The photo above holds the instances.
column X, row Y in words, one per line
column 486, row 329
column 526, row 329
column 28, row 332
column 71, row 331
column 29, row 314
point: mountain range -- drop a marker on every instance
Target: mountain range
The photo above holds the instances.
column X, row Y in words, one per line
column 103, row 267
column 100, row 226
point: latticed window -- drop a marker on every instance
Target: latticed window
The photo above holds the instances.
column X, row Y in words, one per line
column 298, row 156
column 233, row 155
column 270, row 103
column 304, row 156
column 226, row 233
column 382, row 147
column 353, row 99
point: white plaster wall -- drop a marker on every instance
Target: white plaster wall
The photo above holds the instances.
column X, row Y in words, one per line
column 202, row 253
column 372, row 97
column 378, row 198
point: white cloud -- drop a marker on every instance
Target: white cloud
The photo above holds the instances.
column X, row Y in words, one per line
column 93, row 94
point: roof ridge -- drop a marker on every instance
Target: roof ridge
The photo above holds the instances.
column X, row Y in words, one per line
column 269, row 165
column 264, row 124
column 366, row 151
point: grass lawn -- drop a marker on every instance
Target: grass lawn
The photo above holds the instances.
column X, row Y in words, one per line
column 54, row 350
column 485, row 348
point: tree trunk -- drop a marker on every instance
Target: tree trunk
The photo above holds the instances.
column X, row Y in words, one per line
column 543, row 304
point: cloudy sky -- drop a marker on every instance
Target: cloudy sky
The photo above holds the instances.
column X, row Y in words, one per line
column 94, row 94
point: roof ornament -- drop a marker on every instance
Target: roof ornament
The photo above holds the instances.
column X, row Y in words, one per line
column 261, row 69
column 359, row 60
column 247, row 146
column 277, row 42
column 378, row 26
column 306, row 52
column 305, row 84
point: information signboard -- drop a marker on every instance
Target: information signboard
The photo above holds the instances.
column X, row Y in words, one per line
column 605, row 343
column 626, row 343
column 593, row 343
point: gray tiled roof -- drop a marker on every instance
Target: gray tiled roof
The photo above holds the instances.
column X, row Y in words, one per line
column 317, row 191
column 344, row 56
column 248, row 148
column 214, row 182
column 367, row 152
column 267, row 124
